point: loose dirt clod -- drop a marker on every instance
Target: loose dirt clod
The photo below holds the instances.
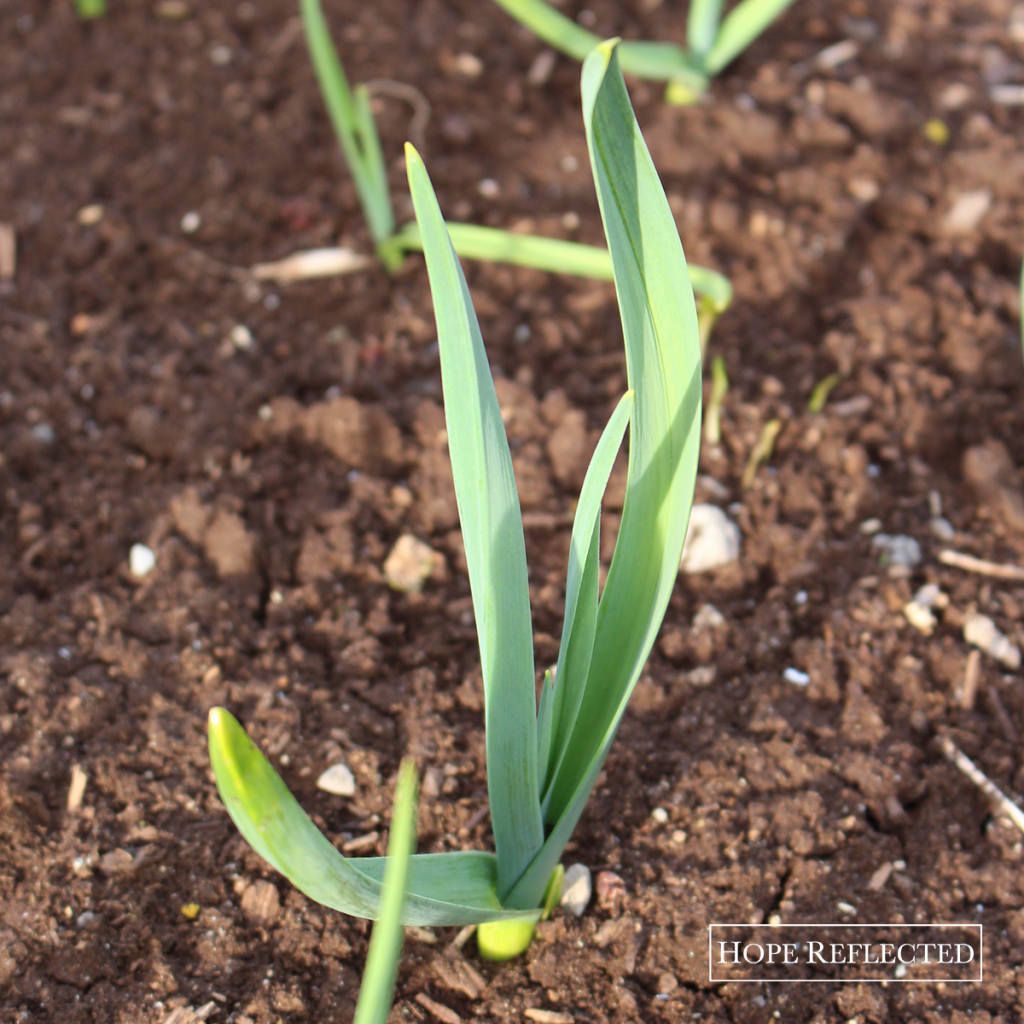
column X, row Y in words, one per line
column 229, row 545
column 261, row 903
column 442, row 1013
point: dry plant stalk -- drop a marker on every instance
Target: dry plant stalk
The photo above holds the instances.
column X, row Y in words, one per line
column 982, row 781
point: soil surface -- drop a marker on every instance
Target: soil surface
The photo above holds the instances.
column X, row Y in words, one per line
column 270, row 446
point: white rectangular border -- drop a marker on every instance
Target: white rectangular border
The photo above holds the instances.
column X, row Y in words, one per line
column 844, row 981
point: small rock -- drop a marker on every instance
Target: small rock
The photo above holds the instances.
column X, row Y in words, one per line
column 707, row 617
column 796, row 677
column 577, row 889
column 190, row 911
column 897, row 549
column 920, row 617
column 8, row 252
column 966, row 212
column 141, row 561
column 660, row 815
column 918, row 611
column 941, row 529
column 261, row 903
column 712, row 540
column 983, row 633
column 76, row 790
column 191, row 222
column 410, row 564
column 667, row 984
column 701, row 676
column 339, row 780
column 44, row 433
column 241, row 337
column 468, row 65
column 611, row 890
column 116, row 862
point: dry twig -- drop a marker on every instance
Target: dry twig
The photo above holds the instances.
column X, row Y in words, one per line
column 969, row 563
column 982, row 781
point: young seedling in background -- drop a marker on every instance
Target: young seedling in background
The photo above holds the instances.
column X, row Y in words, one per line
column 541, row 762
column 87, row 10
column 353, row 122
column 711, row 42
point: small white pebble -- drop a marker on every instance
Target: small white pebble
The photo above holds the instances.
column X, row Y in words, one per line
column 570, row 221
column 796, row 677
column 870, row 526
column 141, row 560
column 191, row 222
column 221, row 55
column 712, row 540
column 900, row 972
column 679, row 837
column 89, row 215
column 338, row 779
column 241, row 337
column 44, row 433
column 468, row 65
column 800, row 597
column 266, row 414
column 577, row 889
column 983, row 633
column 569, row 164
column 846, row 908
column 660, row 815
column 489, row 188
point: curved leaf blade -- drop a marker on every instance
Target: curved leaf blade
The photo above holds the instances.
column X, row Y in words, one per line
column 475, row 242
column 664, row 368
column 492, row 531
column 580, row 621
column 742, row 25
column 444, row 889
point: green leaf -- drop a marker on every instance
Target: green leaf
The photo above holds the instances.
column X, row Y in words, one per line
column 554, row 28
column 553, row 254
column 654, row 60
column 742, row 25
column 545, row 724
column 492, row 531
column 378, row 986
column 581, row 588
column 444, row 889
column 663, row 364
column 353, row 123
column 702, row 25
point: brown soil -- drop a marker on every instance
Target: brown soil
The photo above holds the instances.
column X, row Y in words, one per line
column 127, row 414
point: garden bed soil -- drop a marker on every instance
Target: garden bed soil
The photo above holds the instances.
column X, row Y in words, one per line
column 272, row 469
